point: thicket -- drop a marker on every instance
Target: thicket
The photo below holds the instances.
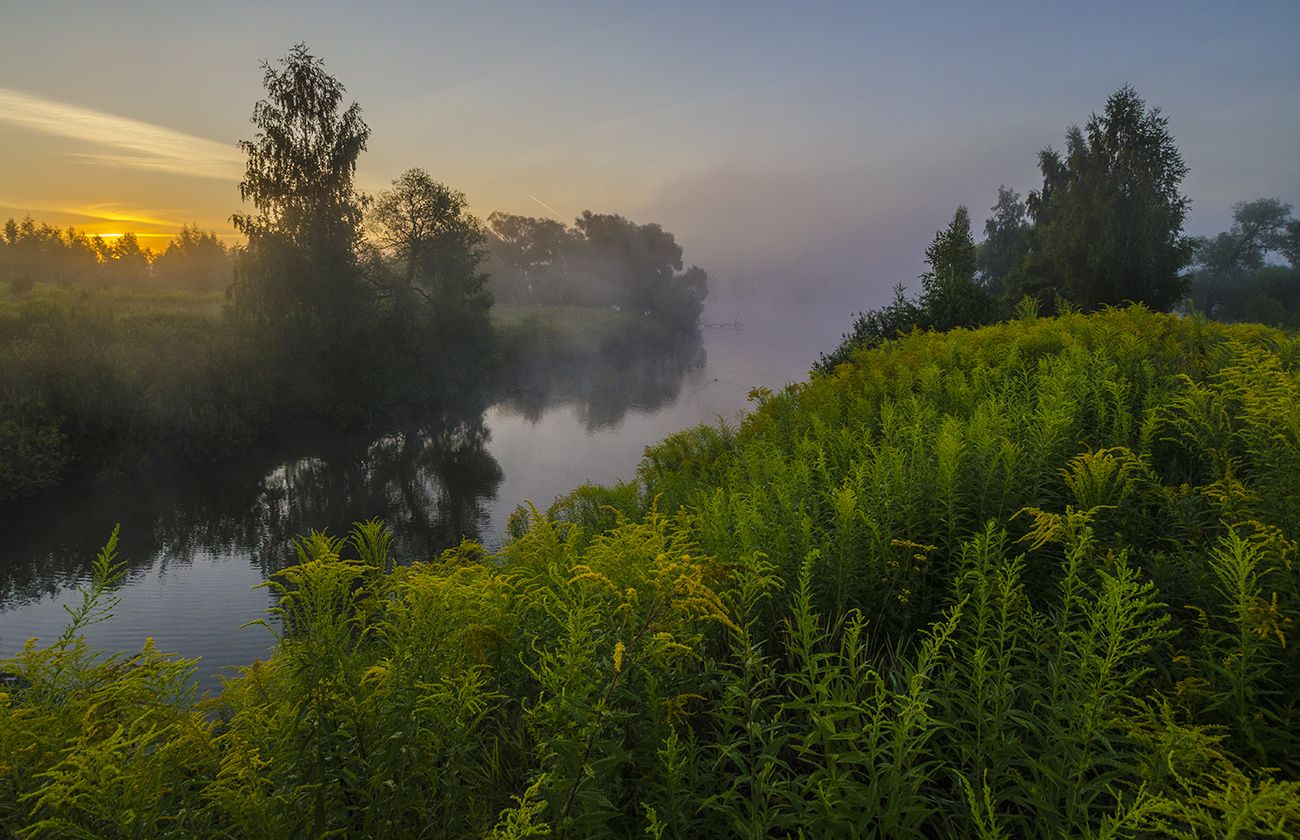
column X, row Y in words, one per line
column 1105, row 228
column 102, row 379
column 602, row 260
column 1252, row 271
column 1033, row 580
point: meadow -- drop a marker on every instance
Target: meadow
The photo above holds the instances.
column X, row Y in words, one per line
column 1036, row 579
column 99, row 380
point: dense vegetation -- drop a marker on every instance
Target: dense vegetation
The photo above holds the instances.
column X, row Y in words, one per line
column 1252, row 271
column 101, row 378
column 603, row 260
column 1105, row 228
column 1033, row 580
column 112, row 380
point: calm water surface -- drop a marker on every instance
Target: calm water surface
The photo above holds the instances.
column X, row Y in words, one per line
column 198, row 544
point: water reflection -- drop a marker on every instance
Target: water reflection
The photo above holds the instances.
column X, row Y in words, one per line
column 196, row 541
column 430, row 478
column 603, row 390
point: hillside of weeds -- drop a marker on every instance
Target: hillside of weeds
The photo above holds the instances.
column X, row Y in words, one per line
column 1036, row 580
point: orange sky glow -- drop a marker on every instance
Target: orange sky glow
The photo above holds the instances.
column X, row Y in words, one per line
column 825, row 142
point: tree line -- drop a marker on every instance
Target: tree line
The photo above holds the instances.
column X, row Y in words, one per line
column 193, row 259
column 600, row 260
column 349, row 292
column 323, row 261
column 340, row 308
column 1104, row 228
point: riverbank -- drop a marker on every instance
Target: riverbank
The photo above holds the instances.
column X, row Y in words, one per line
column 1026, row 580
column 110, row 381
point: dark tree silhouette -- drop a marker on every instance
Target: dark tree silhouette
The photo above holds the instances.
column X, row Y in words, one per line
column 1235, row 280
column 298, row 286
column 1006, row 238
column 429, row 266
column 194, row 260
column 1108, row 219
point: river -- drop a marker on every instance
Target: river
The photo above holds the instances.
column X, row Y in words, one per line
column 198, row 543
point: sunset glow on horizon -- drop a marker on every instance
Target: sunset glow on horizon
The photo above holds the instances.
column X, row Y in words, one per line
column 828, row 141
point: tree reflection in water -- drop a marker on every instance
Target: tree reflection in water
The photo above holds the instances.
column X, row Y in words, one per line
column 431, row 477
column 603, row 389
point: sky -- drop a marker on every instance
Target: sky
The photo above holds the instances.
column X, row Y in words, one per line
column 804, row 153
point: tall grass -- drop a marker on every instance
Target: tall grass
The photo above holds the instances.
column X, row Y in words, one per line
column 1033, row 580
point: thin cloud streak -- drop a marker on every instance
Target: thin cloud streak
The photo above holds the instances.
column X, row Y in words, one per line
column 101, row 212
column 133, row 144
column 549, row 208
column 112, row 213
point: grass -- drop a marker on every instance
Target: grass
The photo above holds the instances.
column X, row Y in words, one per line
column 123, row 302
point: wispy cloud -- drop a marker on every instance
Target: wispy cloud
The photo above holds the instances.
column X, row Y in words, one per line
column 114, row 213
column 101, row 212
column 123, row 142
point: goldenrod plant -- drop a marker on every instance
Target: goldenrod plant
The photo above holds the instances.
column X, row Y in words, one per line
column 1034, row 580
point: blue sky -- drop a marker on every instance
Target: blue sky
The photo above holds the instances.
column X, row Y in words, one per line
column 816, row 145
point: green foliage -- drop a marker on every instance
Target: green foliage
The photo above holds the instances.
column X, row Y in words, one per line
column 434, row 301
column 92, row 380
column 1037, row 579
column 1104, row 229
column 874, row 327
column 950, row 297
column 1108, row 217
column 194, row 260
column 1234, row 279
column 1006, row 239
column 299, row 295
column 949, row 294
column 602, row 260
column 33, row 451
column 29, row 252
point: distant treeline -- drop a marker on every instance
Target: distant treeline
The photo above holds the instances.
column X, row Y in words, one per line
column 601, row 260
column 1105, row 228
column 29, row 252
